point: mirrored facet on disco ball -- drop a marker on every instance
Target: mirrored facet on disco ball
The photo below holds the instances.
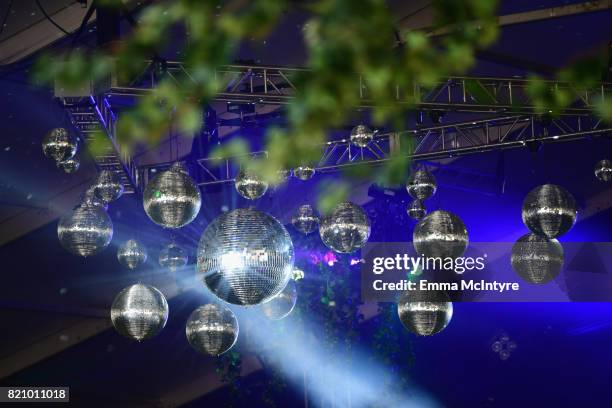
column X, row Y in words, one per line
column 246, row 256
column 416, row 209
column 60, row 145
column 421, row 184
column 108, row 186
column 212, row 329
column 172, row 199
column 85, row 231
column 139, row 312
column 537, row 259
column 249, row 185
column 70, row 165
column 281, row 305
column 306, row 219
column 603, row 170
column 361, row 135
column 424, row 312
column 346, row 228
column 173, row 257
column 89, row 197
column 549, row 210
column 132, row 254
column 440, row 234
column 304, row 172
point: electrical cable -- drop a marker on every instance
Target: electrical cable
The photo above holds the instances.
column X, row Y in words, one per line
column 8, row 11
column 48, row 17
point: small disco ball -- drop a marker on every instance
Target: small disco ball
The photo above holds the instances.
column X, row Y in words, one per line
column 440, row 234
column 603, row 170
column 416, row 209
column 60, row 145
column 139, row 312
column 89, row 197
column 108, row 186
column 297, row 274
column 249, row 185
column 70, row 165
column 346, row 228
column 361, row 135
column 172, row 199
column 549, row 210
column 132, row 254
column 421, row 184
column 537, row 259
column 85, row 231
column 246, row 256
column 281, row 305
column 173, row 257
column 424, row 312
column 306, row 220
column 212, row 329
column 304, row 172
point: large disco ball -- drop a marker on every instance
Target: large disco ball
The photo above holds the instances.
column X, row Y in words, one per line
column 361, row 135
column 59, row 145
column 421, row 184
column 549, row 210
column 86, row 230
column 281, row 305
column 246, row 256
column 416, row 209
column 212, row 329
column 172, row 199
column 70, row 165
column 108, row 185
column 249, row 185
column 139, row 312
column 424, row 312
column 440, row 234
column 173, row 257
column 537, row 259
column 603, row 170
column 306, row 219
column 346, row 228
column 304, row 172
column 132, row 254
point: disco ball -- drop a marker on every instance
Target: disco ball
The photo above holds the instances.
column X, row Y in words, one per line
column 172, row 199
column 59, row 145
column 249, row 185
column 603, row 170
column 416, row 209
column 306, row 220
column 537, row 259
column 421, row 184
column 549, row 210
column 70, row 165
column 89, row 197
column 132, row 254
column 173, row 257
column 283, row 175
column 346, row 228
column 245, row 256
column 297, row 274
column 424, row 313
column 304, row 172
column 108, row 186
column 212, row 329
column 440, row 234
column 361, row 135
column 139, row 312
column 281, row 305
column 85, row 231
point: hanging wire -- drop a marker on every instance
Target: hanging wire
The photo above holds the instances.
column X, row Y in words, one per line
column 8, row 11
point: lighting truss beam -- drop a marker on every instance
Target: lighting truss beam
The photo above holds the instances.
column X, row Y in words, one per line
column 273, row 86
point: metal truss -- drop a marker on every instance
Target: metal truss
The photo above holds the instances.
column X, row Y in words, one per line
column 275, row 86
column 436, row 142
column 92, row 115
